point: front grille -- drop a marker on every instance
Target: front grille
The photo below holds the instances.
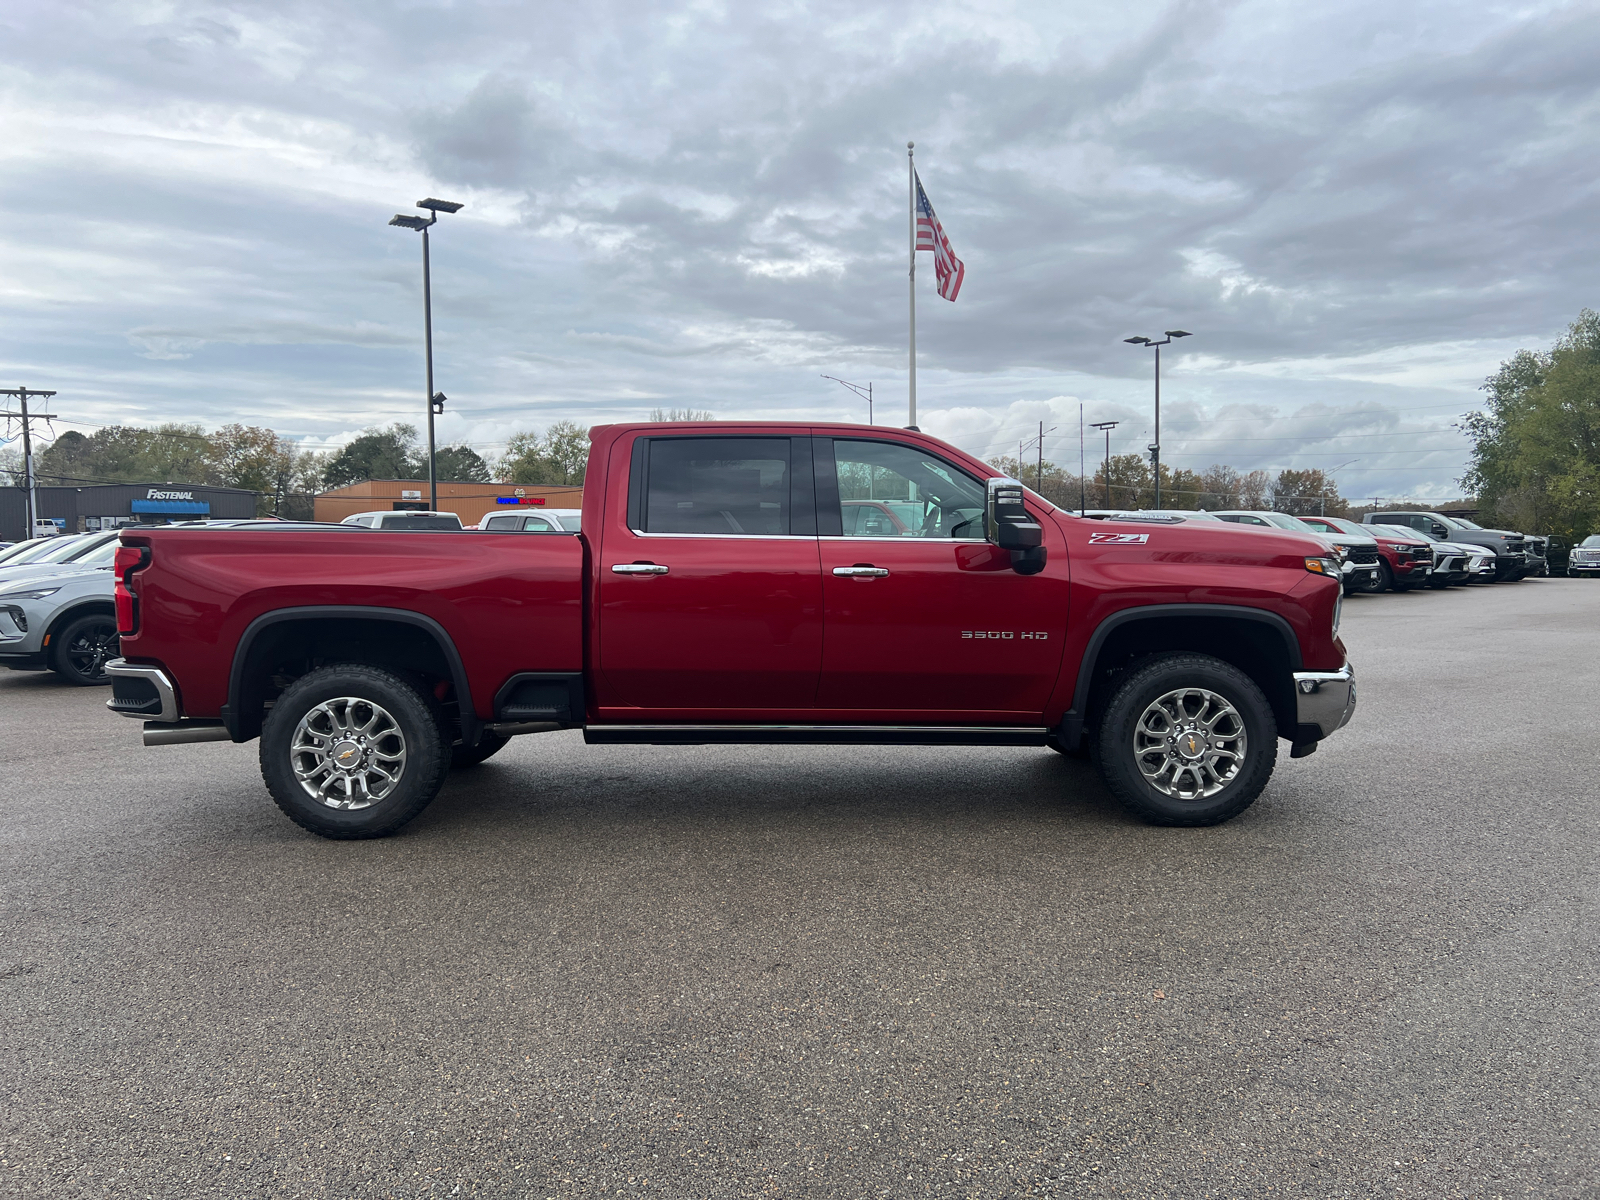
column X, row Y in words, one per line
column 1363, row 554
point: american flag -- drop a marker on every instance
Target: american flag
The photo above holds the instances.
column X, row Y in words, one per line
column 930, row 236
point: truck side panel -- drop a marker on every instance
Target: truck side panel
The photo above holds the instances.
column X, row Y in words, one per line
column 509, row 602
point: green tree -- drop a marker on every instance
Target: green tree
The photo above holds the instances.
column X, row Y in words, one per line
column 1059, row 486
column 460, row 464
column 556, row 458
column 169, row 453
column 1536, row 444
column 1308, row 492
column 377, row 454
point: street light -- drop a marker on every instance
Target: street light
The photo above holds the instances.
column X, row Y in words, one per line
column 865, row 393
column 1108, row 426
column 1155, row 447
column 435, row 399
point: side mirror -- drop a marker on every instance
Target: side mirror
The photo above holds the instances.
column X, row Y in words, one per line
column 1008, row 525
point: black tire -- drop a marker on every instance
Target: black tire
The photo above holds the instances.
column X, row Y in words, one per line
column 1114, row 750
column 1386, row 578
column 489, row 744
column 423, row 750
column 80, row 651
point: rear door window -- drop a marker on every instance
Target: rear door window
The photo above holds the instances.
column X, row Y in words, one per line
column 716, row 485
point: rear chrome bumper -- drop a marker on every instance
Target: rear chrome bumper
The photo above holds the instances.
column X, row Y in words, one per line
column 137, row 701
column 1325, row 699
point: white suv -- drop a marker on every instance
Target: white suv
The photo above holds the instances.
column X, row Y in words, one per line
column 546, row 520
column 403, row 519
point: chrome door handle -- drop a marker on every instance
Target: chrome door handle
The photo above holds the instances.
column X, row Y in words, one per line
column 861, row 572
column 638, row 569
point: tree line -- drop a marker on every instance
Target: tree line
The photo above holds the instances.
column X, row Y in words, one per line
column 1130, row 484
column 287, row 476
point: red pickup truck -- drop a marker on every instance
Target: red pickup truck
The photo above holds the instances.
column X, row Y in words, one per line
column 726, row 586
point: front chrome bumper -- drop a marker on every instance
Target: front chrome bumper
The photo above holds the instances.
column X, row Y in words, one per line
column 1325, row 699
column 166, row 695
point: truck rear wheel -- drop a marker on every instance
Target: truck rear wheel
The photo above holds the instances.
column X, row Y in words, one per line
column 351, row 751
column 1186, row 740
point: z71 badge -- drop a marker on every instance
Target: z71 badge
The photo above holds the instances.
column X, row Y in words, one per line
column 1119, row 539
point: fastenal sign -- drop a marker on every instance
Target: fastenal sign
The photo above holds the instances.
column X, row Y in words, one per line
column 163, row 494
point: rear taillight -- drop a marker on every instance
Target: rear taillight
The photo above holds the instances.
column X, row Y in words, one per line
column 128, row 560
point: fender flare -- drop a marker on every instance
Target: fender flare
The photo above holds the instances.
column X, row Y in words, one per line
column 1072, row 721
column 471, row 725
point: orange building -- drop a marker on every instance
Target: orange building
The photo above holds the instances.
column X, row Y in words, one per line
column 469, row 501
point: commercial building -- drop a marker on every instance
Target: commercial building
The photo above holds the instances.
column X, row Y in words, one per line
column 109, row 505
column 469, row 501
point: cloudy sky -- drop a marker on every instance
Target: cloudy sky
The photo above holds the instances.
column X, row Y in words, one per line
column 1358, row 209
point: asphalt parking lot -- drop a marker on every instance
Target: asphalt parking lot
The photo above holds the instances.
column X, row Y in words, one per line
column 747, row 971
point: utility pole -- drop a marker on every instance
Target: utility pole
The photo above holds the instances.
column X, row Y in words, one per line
column 1107, row 426
column 29, row 481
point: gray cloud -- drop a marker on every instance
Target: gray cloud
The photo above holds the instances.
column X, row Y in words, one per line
column 1357, row 211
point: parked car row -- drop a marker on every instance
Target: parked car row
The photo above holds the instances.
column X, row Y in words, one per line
column 1399, row 551
column 545, row 520
column 57, row 611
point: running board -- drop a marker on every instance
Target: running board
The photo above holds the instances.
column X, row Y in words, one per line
column 816, row 735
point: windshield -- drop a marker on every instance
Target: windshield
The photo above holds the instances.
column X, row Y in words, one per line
column 99, row 556
column 64, row 550
column 420, row 521
column 1592, row 541
column 1463, row 523
column 24, row 551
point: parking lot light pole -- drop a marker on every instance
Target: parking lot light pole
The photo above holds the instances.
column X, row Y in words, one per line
column 864, row 392
column 435, row 399
column 1155, row 446
column 1107, row 426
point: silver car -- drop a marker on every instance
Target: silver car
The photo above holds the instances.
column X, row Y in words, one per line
column 64, row 621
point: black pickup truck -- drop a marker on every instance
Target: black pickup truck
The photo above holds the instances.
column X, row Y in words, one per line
column 1510, row 550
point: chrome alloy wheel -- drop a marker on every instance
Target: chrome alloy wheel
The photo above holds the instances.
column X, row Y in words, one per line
column 1190, row 743
column 348, row 753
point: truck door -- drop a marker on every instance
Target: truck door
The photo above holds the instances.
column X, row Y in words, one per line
column 710, row 590
column 922, row 618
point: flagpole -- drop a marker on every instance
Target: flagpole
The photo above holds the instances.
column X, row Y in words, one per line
column 911, row 168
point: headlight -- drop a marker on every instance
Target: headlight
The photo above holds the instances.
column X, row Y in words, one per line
column 1322, row 566
column 31, row 594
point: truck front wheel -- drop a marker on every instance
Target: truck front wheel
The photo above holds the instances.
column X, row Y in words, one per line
column 1186, row 740
column 351, row 751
